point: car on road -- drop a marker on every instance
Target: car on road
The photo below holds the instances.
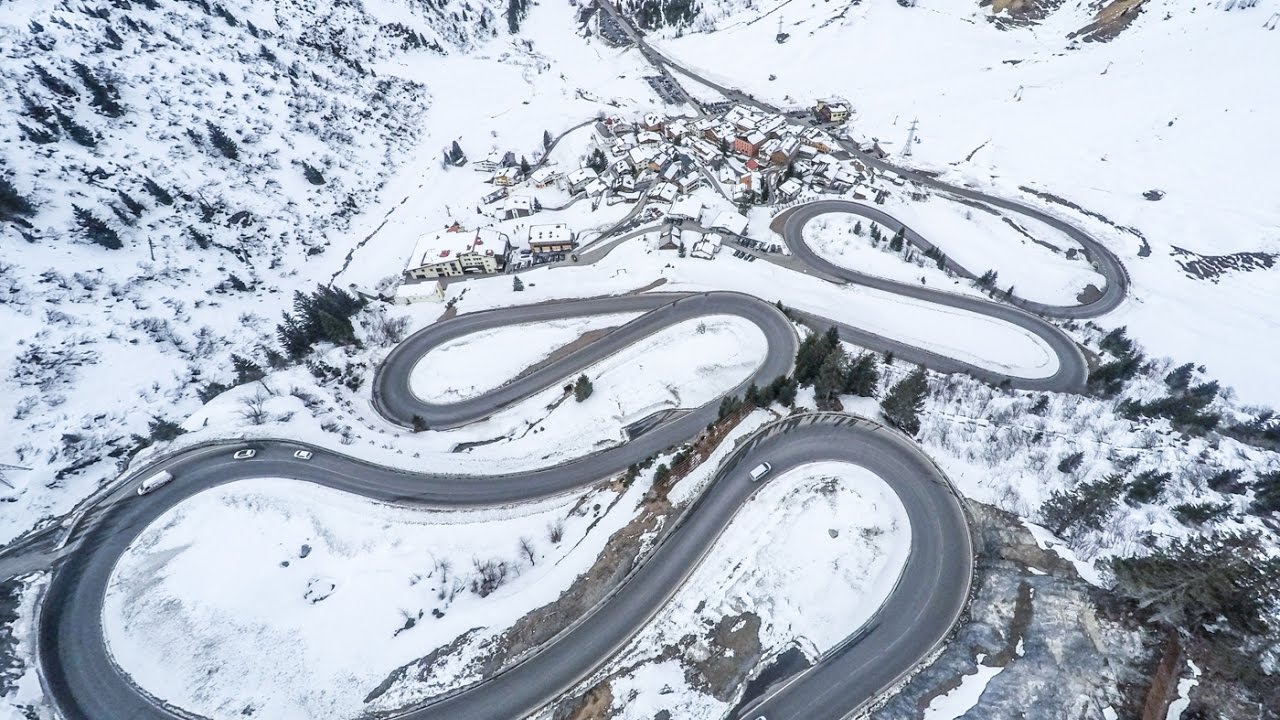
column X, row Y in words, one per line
column 303, row 454
column 245, row 454
column 760, row 471
column 161, row 478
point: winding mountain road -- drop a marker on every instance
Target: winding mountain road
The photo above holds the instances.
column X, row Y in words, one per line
column 86, row 684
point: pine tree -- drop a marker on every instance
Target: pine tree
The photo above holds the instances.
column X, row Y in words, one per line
column 582, row 389
column 1087, row 507
column 1227, row 481
column 163, row 430
column 680, row 251
column 809, row 357
column 988, row 279
column 862, row 376
column 223, row 142
column 313, row 175
column 1266, row 493
column 161, row 195
column 546, row 140
column 95, row 230
column 830, row 379
column 1147, row 487
column 77, row 132
column 134, row 206
column 857, row 228
column 40, row 135
column 905, row 399
column 896, row 243
column 1225, row 581
column 105, row 95
column 14, row 206
column 525, row 169
column 516, row 284
column 786, row 392
column 247, row 371
column 54, row 83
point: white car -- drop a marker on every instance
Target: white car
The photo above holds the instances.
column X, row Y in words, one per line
column 303, row 454
column 760, row 471
column 155, row 481
column 245, row 454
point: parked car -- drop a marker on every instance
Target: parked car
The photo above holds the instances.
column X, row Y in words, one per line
column 161, row 478
column 303, row 454
column 245, row 454
column 760, row 471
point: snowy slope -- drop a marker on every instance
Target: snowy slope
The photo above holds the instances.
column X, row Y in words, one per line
column 119, row 111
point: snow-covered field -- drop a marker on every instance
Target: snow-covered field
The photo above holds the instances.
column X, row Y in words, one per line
column 977, row 240
column 981, row 241
column 833, row 238
column 303, row 599
column 813, row 555
column 473, row 365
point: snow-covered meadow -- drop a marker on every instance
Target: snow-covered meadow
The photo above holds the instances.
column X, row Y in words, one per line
column 307, row 598
column 470, row 366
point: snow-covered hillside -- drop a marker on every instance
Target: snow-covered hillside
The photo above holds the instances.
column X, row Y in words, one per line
column 1180, row 102
column 170, row 172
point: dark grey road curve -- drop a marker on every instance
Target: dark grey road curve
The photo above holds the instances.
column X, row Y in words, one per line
column 1073, row 370
column 395, row 400
column 1103, row 260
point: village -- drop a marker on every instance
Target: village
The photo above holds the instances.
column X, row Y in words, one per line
column 689, row 182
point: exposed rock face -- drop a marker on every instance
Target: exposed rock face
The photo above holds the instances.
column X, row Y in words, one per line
column 1061, row 652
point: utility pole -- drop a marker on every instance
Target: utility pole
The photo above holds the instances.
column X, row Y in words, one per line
column 911, row 137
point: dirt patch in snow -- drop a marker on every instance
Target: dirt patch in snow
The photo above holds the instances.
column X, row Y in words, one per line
column 1111, row 20
column 583, row 340
column 1007, row 14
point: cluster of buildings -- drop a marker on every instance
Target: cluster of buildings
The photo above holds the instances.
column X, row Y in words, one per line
column 747, row 155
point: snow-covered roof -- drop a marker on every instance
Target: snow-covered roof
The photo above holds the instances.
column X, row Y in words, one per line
column 446, row 245
column 581, row 175
column 790, row 186
column 687, row 207
column 517, row 202
column 731, row 222
column 555, row 233
column 543, row 175
column 665, row 191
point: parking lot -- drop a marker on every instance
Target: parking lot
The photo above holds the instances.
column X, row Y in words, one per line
column 611, row 32
column 666, row 89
